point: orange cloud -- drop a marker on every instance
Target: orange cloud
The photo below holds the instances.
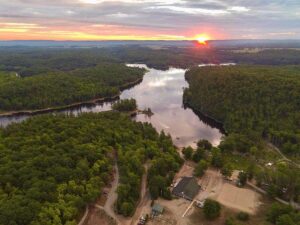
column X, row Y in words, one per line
column 27, row 31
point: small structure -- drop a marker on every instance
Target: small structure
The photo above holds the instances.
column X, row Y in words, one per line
column 269, row 164
column 142, row 220
column 200, row 204
column 157, row 210
column 187, row 188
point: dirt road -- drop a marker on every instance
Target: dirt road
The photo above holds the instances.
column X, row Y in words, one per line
column 282, row 155
column 144, row 199
column 112, row 198
column 82, row 221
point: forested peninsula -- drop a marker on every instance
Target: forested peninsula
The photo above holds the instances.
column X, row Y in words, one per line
column 51, row 166
column 259, row 101
column 60, row 88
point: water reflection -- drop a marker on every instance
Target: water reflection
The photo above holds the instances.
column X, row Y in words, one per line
column 161, row 91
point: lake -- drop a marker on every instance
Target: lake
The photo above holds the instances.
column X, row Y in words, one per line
column 162, row 92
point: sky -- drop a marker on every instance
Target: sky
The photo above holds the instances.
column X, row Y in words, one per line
column 149, row 19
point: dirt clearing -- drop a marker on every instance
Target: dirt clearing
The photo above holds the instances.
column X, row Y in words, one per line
column 173, row 211
column 242, row 199
column 227, row 193
column 185, row 171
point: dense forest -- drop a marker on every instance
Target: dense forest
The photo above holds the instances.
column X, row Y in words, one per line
column 56, row 89
column 28, row 61
column 41, row 77
column 51, row 166
column 254, row 100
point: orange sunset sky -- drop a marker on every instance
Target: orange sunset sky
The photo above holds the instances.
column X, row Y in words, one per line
column 148, row 19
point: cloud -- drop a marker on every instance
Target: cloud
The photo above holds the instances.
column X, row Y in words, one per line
column 282, row 33
column 174, row 19
column 239, row 9
column 186, row 10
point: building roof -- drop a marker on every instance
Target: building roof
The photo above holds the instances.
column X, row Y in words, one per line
column 187, row 187
column 157, row 208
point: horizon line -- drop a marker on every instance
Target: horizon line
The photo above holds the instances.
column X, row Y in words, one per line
column 189, row 40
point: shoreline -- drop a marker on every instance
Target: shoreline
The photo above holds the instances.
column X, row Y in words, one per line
column 69, row 106
column 209, row 120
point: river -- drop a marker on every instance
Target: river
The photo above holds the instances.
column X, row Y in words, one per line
column 162, row 92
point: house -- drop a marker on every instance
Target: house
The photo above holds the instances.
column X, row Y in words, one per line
column 157, row 210
column 187, row 188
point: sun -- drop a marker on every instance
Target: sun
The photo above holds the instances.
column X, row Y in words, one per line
column 202, row 39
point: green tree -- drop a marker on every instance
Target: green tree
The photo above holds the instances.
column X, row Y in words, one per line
column 227, row 170
column 127, row 208
column 211, row 209
column 217, row 159
column 254, row 151
column 242, row 177
column 276, row 211
column 198, row 155
column 201, row 168
column 188, row 152
column 250, row 171
column 125, row 105
column 204, row 144
column 286, row 220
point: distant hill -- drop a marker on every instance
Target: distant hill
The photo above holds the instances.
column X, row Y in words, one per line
column 256, row 43
column 213, row 43
column 83, row 44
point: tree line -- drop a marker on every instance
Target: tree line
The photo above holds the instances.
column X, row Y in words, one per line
column 34, row 61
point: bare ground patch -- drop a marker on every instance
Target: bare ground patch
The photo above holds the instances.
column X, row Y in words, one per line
column 227, row 193
column 242, row 199
column 166, row 219
column 197, row 217
column 172, row 214
column 98, row 217
column 185, row 171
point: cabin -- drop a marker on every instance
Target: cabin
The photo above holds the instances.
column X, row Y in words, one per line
column 187, row 188
column 157, row 210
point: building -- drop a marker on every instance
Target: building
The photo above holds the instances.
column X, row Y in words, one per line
column 157, row 210
column 187, row 188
